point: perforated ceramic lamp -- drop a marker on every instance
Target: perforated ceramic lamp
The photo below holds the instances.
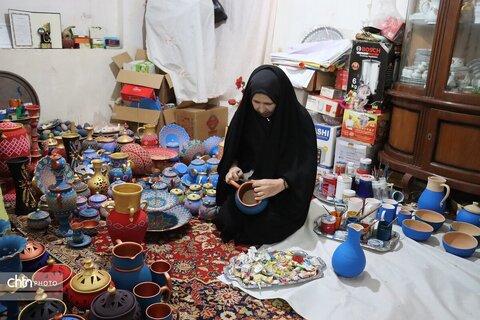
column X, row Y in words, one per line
column 115, row 305
column 43, row 308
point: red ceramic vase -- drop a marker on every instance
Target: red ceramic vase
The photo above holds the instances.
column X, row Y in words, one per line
column 121, row 226
column 14, row 143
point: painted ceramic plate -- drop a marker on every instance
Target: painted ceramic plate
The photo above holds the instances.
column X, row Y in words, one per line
column 192, row 150
column 158, row 201
column 211, row 143
column 160, row 154
column 173, row 218
column 173, row 133
column 45, row 177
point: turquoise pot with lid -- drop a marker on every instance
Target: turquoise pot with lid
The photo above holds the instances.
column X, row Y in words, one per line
column 470, row 214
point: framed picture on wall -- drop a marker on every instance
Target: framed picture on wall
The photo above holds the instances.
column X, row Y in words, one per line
column 35, row 29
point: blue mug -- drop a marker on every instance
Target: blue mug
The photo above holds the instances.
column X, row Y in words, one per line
column 384, row 231
column 148, row 293
column 386, row 212
column 365, row 189
column 403, row 215
column 161, row 273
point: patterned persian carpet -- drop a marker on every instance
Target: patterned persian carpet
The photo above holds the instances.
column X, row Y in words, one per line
column 197, row 256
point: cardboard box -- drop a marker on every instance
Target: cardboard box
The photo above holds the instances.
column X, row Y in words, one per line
column 329, row 107
column 137, row 116
column 365, row 127
column 326, row 138
column 200, row 121
column 347, row 150
column 320, row 79
column 371, row 66
column 162, row 83
column 331, row 92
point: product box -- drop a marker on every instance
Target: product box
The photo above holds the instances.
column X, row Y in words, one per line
column 200, row 121
column 331, row 93
column 365, row 127
column 329, row 107
column 326, row 138
column 161, row 83
column 82, row 42
column 133, row 93
column 347, row 150
column 320, row 79
column 97, row 43
column 371, row 69
column 341, row 80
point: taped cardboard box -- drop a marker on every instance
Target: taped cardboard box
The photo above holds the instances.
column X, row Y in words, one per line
column 162, row 83
column 200, row 121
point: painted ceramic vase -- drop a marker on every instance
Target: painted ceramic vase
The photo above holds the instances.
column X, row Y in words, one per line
column 470, row 214
column 127, row 221
column 61, row 197
column 25, row 201
column 89, row 142
column 193, row 202
column 128, row 265
column 121, row 167
column 99, row 182
column 14, row 143
column 59, row 147
column 348, row 260
column 148, row 136
column 433, row 198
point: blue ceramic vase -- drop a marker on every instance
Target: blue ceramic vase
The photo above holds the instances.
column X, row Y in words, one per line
column 433, row 198
column 349, row 259
column 121, row 167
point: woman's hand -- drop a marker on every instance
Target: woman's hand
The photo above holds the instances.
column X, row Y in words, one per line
column 233, row 174
column 267, row 188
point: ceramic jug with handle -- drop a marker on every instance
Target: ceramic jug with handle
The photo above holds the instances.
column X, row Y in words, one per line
column 149, row 138
column 433, row 198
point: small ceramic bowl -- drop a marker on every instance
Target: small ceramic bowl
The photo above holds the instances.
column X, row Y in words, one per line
column 90, row 227
column 433, row 218
column 467, row 228
column 417, row 230
column 459, row 243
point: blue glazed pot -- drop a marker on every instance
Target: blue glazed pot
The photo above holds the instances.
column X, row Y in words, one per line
column 38, row 220
column 196, row 166
column 193, row 203
column 470, row 214
column 348, row 260
column 244, row 199
column 127, row 255
column 10, row 248
column 433, row 198
column 212, row 165
column 127, row 279
column 213, row 178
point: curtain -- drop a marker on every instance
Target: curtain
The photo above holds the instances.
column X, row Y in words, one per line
column 202, row 59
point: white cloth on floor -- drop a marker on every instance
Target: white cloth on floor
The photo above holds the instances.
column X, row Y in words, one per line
column 415, row 281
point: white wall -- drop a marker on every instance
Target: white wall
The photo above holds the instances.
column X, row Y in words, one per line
column 296, row 18
column 76, row 84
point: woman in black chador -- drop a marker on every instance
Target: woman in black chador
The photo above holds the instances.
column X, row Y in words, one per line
column 273, row 136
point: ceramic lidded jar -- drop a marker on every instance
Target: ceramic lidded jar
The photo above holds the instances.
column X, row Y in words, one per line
column 196, row 166
column 81, row 188
column 34, row 256
column 106, row 143
column 14, row 143
column 43, row 308
column 193, row 202
column 470, row 214
column 89, row 214
column 194, row 188
column 38, row 220
column 208, row 209
column 89, row 142
column 212, row 164
column 54, row 273
column 95, row 201
column 179, row 194
column 81, row 203
column 123, row 140
column 115, row 304
column 87, row 285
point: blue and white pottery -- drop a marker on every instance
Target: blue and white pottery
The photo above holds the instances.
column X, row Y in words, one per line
column 212, row 164
column 433, row 198
column 349, row 260
column 470, row 214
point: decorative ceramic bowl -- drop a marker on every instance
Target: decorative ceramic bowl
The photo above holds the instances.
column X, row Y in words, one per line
column 417, row 230
column 459, row 243
column 433, row 218
column 467, row 228
column 90, row 227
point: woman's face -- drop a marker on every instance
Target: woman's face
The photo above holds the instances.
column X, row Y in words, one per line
column 263, row 105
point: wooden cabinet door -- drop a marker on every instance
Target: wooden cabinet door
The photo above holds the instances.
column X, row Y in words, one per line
column 452, row 148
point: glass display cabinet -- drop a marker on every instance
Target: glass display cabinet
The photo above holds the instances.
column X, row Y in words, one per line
column 435, row 127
